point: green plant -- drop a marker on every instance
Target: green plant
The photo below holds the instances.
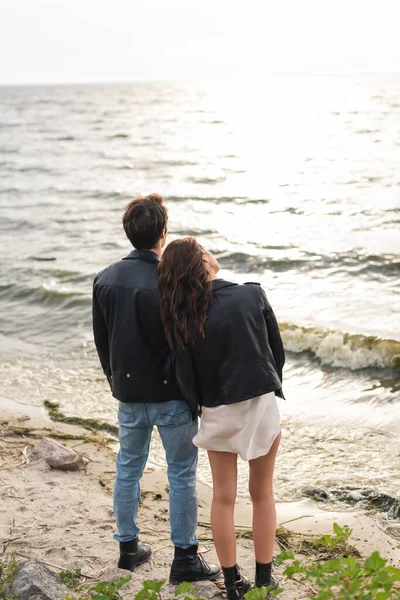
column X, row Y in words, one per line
column 327, row 546
column 263, row 593
column 346, row 578
column 337, row 541
column 8, row 564
column 109, row 590
column 70, row 577
column 152, row 591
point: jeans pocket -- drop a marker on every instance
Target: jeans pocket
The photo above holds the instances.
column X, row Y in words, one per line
column 126, row 413
column 173, row 413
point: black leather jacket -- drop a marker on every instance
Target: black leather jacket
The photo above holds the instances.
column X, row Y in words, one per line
column 128, row 332
column 241, row 355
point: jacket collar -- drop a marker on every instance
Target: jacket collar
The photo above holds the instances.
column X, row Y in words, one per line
column 218, row 284
column 142, row 255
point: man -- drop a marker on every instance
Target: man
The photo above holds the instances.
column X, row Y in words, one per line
column 136, row 361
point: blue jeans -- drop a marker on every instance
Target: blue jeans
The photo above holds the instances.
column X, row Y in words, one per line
column 177, row 430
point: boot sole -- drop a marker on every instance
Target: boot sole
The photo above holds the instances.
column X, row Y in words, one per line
column 192, row 580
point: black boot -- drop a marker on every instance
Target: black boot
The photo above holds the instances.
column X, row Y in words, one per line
column 236, row 585
column 132, row 554
column 264, row 577
column 190, row 566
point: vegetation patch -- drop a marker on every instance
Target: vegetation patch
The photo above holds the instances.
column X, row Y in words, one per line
column 321, row 547
column 71, row 577
column 8, row 564
column 92, row 424
column 345, row 578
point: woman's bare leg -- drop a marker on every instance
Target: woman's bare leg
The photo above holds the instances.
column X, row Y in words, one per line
column 224, row 473
column 262, row 495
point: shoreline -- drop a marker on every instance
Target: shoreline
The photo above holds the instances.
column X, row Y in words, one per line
column 65, row 519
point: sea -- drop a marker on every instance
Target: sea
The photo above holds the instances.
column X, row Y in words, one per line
column 293, row 182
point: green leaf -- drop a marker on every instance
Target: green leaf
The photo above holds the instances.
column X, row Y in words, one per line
column 151, row 584
column 122, row 581
column 283, row 556
column 335, row 564
column 185, row 588
column 324, row 540
column 374, row 562
column 393, row 571
column 383, row 595
column 324, row 595
column 337, row 529
column 256, row 594
column 276, row 592
column 294, row 569
column 382, row 578
column 102, row 586
column 142, row 595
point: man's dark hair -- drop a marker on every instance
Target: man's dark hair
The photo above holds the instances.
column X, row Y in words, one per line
column 144, row 220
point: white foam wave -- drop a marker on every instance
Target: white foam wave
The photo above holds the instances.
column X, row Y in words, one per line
column 340, row 349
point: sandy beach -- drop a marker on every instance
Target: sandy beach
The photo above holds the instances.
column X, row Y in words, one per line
column 65, row 519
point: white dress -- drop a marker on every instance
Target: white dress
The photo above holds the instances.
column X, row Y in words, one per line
column 247, row 428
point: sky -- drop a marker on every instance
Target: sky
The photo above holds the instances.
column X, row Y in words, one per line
column 60, row 41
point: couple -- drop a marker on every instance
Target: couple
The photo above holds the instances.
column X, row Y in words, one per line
column 172, row 338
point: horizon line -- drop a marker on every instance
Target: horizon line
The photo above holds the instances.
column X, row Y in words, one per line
column 187, row 80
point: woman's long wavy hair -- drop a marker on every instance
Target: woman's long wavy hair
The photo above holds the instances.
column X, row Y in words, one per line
column 185, row 291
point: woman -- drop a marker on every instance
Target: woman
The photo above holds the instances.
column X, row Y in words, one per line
column 229, row 358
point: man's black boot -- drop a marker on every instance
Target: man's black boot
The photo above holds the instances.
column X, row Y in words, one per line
column 236, row 585
column 264, row 576
column 132, row 554
column 190, row 566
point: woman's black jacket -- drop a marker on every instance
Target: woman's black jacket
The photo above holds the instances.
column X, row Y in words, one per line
column 241, row 355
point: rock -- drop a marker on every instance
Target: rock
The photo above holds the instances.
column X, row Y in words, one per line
column 34, row 581
column 315, row 492
column 387, row 504
column 207, row 590
column 58, row 456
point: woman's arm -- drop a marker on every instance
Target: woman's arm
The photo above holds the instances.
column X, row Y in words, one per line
column 187, row 378
column 274, row 335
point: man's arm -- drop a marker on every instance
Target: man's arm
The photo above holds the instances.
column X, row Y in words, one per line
column 274, row 335
column 100, row 332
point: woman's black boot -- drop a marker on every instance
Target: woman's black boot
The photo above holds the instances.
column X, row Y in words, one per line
column 264, row 577
column 132, row 554
column 236, row 585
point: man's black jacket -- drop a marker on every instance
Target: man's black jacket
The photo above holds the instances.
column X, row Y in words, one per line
column 128, row 332
column 241, row 355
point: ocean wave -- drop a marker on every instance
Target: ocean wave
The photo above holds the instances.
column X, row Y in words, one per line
column 331, row 347
column 46, row 294
column 35, row 169
column 43, row 258
column 215, row 122
column 10, row 150
column 66, row 138
column 193, row 232
column 206, row 180
column 215, row 199
column 354, row 262
column 119, row 136
column 339, row 349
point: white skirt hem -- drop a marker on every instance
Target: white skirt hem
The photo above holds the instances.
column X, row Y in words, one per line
column 247, row 428
column 246, row 457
